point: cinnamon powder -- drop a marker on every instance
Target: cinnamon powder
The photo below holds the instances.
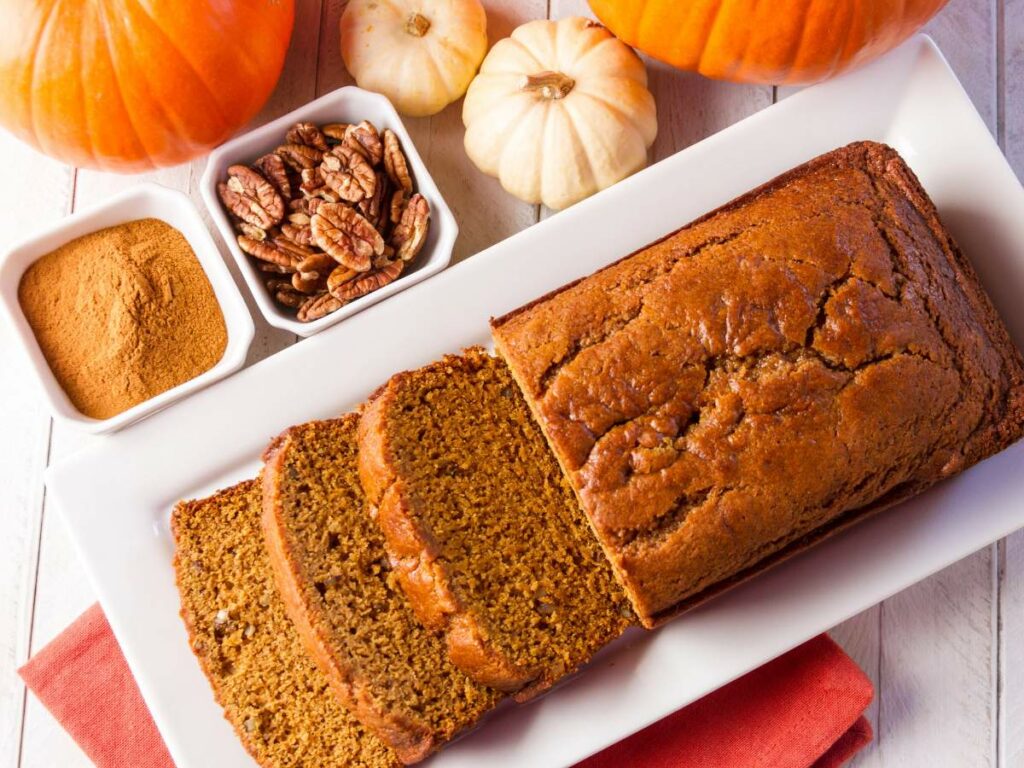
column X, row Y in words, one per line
column 122, row 315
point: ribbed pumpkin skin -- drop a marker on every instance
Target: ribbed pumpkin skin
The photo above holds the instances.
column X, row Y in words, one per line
column 753, row 41
column 130, row 85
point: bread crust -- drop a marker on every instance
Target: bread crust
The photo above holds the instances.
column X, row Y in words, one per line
column 411, row 740
column 414, row 555
column 543, row 341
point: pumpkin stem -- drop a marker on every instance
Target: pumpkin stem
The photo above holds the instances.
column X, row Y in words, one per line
column 549, row 85
column 417, row 24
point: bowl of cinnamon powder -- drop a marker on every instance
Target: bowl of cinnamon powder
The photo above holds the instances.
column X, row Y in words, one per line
column 125, row 308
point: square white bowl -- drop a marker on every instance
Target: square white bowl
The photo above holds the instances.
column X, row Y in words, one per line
column 345, row 105
column 144, row 201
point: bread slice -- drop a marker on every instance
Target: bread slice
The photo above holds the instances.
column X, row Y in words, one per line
column 271, row 692
column 329, row 561
column 488, row 541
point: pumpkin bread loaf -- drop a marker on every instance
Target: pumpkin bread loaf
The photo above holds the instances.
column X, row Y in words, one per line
column 271, row 691
column 329, row 561
column 486, row 537
column 810, row 353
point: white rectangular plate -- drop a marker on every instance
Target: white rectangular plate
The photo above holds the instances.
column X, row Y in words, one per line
column 117, row 497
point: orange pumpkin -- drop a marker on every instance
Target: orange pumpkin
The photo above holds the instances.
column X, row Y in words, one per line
column 785, row 41
column 130, row 85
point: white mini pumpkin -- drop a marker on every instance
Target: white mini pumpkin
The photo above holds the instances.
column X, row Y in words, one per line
column 559, row 111
column 421, row 54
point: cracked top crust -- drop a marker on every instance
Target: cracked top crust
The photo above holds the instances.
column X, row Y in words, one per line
column 813, row 351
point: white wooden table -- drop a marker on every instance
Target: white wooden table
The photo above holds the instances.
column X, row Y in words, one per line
column 947, row 656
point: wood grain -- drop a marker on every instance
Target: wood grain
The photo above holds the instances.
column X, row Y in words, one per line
column 40, row 193
column 1012, row 83
column 1011, row 572
column 1011, row 654
column 63, row 592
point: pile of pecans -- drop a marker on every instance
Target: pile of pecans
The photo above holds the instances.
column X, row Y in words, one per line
column 329, row 216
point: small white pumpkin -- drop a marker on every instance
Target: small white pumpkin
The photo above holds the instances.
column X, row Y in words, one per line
column 421, row 54
column 559, row 111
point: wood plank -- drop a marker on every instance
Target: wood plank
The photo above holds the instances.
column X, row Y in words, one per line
column 965, row 32
column 860, row 638
column 44, row 196
column 63, row 592
column 1012, row 82
column 1011, row 654
column 1011, row 582
column 937, row 669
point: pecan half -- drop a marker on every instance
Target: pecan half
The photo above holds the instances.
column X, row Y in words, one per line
column 345, row 235
column 300, row 156
column 289, row 297
column 379, row 262
column 319, row 306
column 340, row 276
column 284, row 293
column 397, row 206
column 317, row 265
column 298, row 235
column 308, row 134
column 251, row 198
column 346, row 171
column 364, row 284
column 284, row 244
column 304, row 206
column 309, row 285
column 272, row 168
column 374, row 208
column 411, row 231
column 268, row 252
column 394, row 161
column 276, row 269
column 313, row 186
column 364, row 139
column 335, row 131
column 250, row 231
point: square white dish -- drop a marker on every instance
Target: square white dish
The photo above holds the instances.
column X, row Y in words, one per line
column 117, row 498
column 344, row 105
column 144, row 201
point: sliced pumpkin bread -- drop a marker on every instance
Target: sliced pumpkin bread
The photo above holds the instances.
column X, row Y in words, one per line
column 271, row 691
column 483, row 529
column 331, row 567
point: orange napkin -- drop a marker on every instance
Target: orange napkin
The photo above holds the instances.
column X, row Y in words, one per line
column 803, row 710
